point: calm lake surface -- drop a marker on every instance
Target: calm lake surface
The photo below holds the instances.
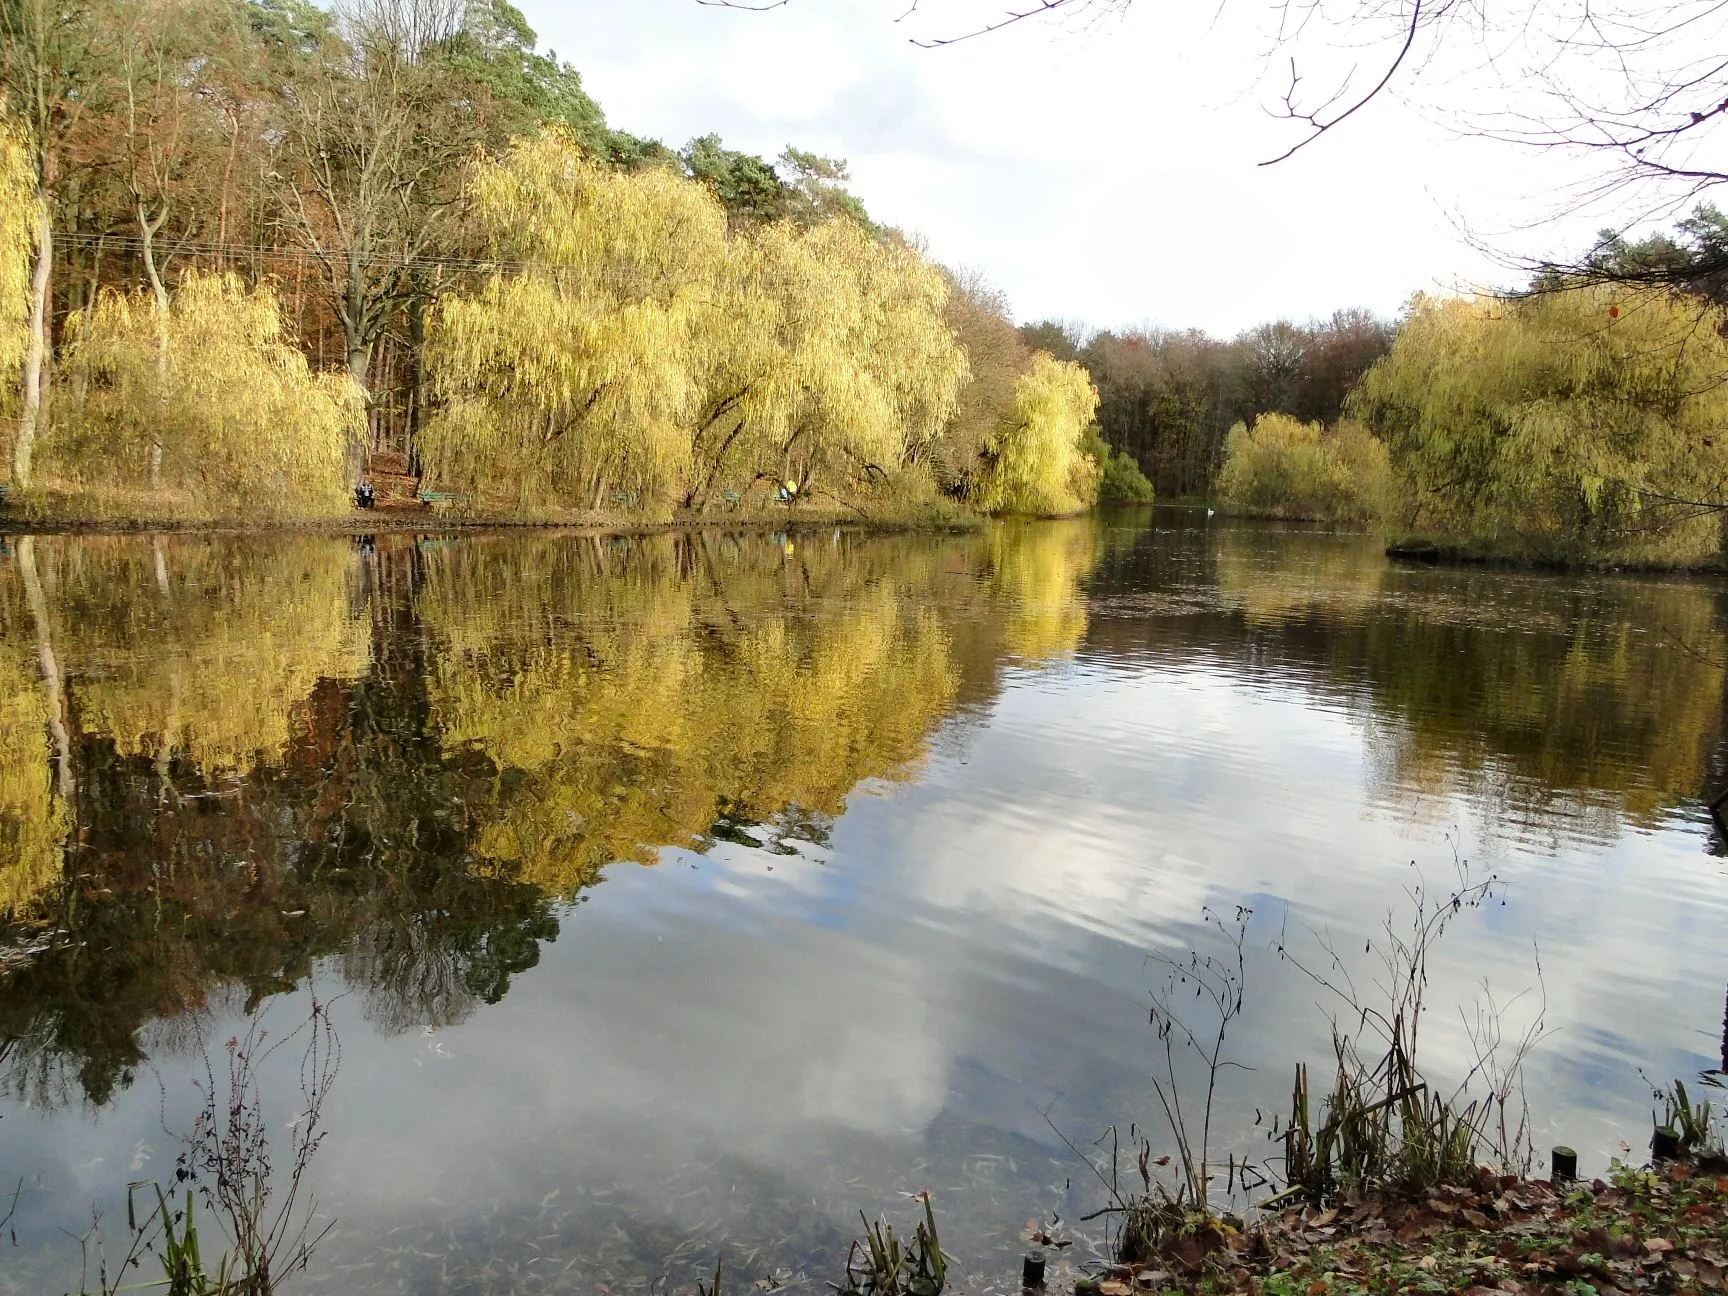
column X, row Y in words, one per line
column 686, row 894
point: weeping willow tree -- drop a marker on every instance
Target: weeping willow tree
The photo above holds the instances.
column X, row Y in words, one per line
column 577, row 378
column 828, row 362
column 20, row 213
column 643, row 355
column 1283, row 467
column 214, row 401
column 1579, row 424
column 1037, row 458
column 218, row 643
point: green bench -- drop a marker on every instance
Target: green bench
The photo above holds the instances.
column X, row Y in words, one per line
column 440, row 497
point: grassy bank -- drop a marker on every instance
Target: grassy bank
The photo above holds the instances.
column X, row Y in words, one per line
column 1662, row 1230
column 799, row 517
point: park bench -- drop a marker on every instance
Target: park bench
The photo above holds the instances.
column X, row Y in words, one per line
column 440, row 497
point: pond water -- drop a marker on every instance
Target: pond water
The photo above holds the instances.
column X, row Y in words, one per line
column 687, row 894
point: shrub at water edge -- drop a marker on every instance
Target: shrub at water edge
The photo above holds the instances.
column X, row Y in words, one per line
column 1282, row 467
column 1582, row 424
column 207, row 411
column 1037, row 460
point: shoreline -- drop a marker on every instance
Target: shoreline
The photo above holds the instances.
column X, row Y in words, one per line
column 1440, row 553
column 430, row 522
column 1661, row 1228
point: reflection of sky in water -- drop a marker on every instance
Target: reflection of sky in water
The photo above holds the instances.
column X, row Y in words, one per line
column 737, row 1051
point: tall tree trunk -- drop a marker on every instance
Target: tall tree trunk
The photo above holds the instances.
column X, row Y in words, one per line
column 359, row 358
column 147, row 227
column 36, row 355
column 416, row 377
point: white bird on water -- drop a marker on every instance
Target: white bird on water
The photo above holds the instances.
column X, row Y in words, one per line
column 1209, row 512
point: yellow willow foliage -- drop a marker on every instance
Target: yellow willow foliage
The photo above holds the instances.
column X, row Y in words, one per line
column 20, row 211
column 1036, row 570
column 904, row 337
column 1286, row 468
column 578, row 377
column 201, row 650
column 243, row 424
column 33, row 821
column 630, row 730
column 827, row 358
column 1570, row 424
column 644, row 355
column 1038, row 461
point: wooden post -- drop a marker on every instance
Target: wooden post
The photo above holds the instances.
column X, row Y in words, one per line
column 1563, row 1165
column 1665, row 1144
column 1032, row 1270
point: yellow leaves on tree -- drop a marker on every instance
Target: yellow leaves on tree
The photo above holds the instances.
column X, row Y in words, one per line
column 19, row 215
column 643, row 352
column 1283, row 467
column 829, row 360
column 244, row 426
column 1038, row 463
column 1578, row 423
column 577, row 377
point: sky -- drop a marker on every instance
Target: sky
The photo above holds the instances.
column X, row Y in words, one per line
column 1104, row 172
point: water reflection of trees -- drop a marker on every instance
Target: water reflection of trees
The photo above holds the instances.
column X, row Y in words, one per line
column 642, row 712
column 1598, row 700
column 398, row 755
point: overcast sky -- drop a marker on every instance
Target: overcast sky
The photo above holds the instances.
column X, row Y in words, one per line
column 1105, row 173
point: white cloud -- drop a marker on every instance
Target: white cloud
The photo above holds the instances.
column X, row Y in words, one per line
column 1107, row 173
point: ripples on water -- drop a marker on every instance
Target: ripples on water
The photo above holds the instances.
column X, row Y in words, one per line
column 685, row 894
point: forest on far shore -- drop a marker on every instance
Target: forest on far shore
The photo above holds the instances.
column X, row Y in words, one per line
column 255, row 254
column 1575, row 419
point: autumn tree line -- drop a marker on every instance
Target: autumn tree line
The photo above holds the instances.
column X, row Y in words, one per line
column 250, row 247
column 1577, row 419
